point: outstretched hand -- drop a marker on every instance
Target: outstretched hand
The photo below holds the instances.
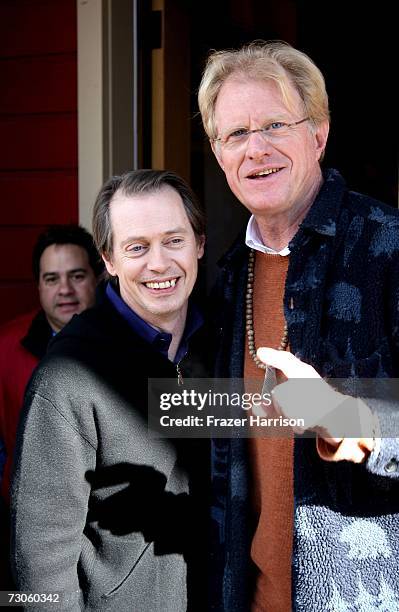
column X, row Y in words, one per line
column 321, row 407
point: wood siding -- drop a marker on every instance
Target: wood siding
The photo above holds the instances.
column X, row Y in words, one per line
column 38, row 135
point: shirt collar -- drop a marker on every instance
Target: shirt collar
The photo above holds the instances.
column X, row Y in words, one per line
column 253, row 240
column 158, row 339
column 321, row 218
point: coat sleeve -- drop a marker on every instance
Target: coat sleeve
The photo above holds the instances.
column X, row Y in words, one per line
column 49, row 501
column 384, row 460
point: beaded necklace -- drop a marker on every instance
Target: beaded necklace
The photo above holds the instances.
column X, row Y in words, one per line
column 249, row 316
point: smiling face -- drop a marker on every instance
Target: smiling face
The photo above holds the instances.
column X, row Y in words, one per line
column 155, row 254
column 279, row 176
column 67, row 283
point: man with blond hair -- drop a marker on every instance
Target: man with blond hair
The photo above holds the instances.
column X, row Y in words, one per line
column 301, row 524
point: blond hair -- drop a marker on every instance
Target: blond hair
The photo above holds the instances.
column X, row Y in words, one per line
column 262, row 61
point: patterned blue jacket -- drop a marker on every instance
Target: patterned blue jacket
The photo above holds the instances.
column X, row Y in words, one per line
column 342, row 308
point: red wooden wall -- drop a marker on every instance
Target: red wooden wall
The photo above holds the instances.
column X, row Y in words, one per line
column 38, row 136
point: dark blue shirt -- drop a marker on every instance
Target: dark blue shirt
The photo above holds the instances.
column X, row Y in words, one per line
column 159, row 340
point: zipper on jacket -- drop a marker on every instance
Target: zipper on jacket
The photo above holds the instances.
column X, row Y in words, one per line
column 180, row 379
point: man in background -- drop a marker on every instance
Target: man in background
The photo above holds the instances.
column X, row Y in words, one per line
column 66, row 267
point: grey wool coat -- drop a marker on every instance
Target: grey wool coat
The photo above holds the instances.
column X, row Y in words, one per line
column 102, row 514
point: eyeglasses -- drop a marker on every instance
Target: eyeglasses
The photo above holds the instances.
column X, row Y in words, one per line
column 272, row 132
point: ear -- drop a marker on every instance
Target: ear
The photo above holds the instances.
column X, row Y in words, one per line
column 321, row 136
column 217, row 153
column 107, row 259
column 200, row 246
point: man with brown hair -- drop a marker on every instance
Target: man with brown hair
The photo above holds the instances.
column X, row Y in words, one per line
column 65, row 266
column 104, row 515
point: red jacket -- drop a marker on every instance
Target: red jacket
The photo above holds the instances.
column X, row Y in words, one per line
column 23, row 341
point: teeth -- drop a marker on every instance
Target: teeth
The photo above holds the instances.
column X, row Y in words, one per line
column 266, row 172
column 162, row 285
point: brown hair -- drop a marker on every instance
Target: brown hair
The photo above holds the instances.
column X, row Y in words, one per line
column 136, row 182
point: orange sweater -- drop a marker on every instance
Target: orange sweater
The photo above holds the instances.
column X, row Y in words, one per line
column 271, row 459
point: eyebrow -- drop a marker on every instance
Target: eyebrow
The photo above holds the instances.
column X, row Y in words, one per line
column 176, row 230
column 281, row 116
column 74, row 271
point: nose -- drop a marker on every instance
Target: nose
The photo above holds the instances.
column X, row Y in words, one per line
column 65, row 286
column 257, row 145
column 157, row 260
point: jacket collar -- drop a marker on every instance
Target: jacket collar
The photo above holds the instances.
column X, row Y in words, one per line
column 38, row 336
column 236, row 252
column 321, row 218
column 323, row 214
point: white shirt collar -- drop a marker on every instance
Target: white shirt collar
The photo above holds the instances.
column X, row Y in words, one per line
column 253, row 240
